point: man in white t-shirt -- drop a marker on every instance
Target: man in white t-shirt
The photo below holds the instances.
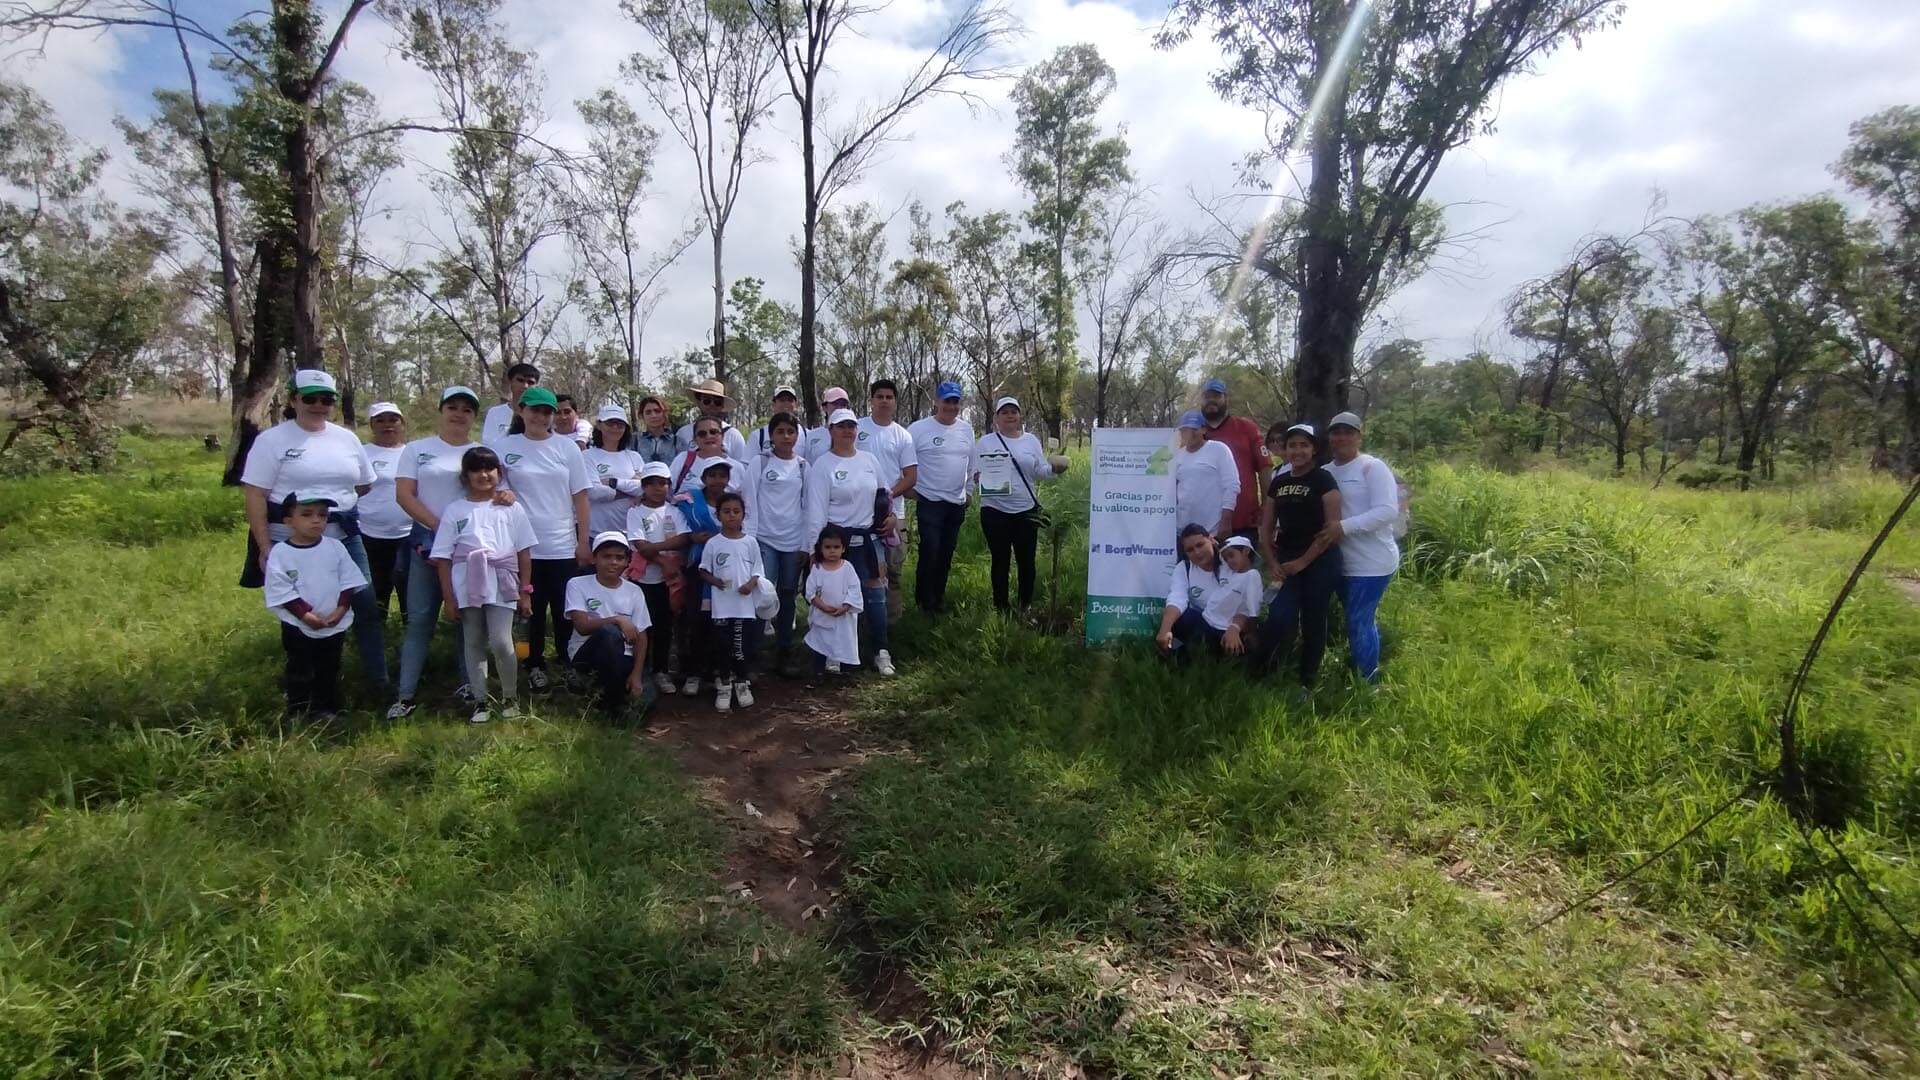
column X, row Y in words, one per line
column 943, row 453
column 500, row 418
column 890, row 444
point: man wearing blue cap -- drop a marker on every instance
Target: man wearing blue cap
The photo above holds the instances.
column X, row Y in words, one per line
column 1249, row 448
column 943, row 444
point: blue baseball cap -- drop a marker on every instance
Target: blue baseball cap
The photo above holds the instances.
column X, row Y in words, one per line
column 1192, row 418
column 947, row 391
column 1214, row 386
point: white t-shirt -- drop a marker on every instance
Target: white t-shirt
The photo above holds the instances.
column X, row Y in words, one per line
column 585, row 593
column 814, row 444
column 607, row 506
column 655, row 525
column 734, row 562
column 318, row 575
column 840, row 491
column 995, row 460
column 836, row 637
column 776, row 502
column 945, row 455
column 730, row 438
column 1241, row 595
column 498, row 420
column 502, row 531
column 582, row 434
column 545, row 474
column 330, row 462
column 1206, row 482
column 1369, row 507
column 433, row 464
column 682, row 484
column 380, row 515
column 1194, row 587
column 891, row 446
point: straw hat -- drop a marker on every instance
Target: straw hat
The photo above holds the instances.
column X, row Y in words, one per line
column 711, row 388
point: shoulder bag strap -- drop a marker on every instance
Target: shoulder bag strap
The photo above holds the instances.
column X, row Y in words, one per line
column 1022, row 473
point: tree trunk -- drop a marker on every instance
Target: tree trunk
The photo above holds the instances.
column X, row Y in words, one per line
column 1329, row 325
column 1910, row 447
column 719, row 306
column 809, row 254
column 1620, row 450
column 254, row 382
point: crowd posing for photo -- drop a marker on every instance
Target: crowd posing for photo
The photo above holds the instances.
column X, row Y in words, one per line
column 652, row 560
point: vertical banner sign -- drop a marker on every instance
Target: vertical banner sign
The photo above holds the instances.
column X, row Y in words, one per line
column 1130, row 532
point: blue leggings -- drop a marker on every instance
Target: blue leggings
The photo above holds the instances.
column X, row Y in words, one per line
column 1360, row 596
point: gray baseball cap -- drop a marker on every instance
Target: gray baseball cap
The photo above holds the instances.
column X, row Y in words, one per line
column 1345, row 419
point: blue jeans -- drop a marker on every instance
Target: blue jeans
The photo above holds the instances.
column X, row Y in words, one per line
column 1360, row 596
column 1301, row 607
column 603, row 656
column 939, row 535
column 783, row 569
column 871, row 566
column 423, row 612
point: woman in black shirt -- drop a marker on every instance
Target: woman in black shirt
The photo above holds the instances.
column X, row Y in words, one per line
column 1301, row 499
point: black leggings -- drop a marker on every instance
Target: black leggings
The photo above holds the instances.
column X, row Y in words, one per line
column 1010, row 534
column 660, row 635
column 387, row 565
column 730, row 647
column 550, row 577
column 312, row 680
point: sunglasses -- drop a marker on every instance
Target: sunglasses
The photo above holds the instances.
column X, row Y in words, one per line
column 317, row 399
column 710, row 433
column 709, row 400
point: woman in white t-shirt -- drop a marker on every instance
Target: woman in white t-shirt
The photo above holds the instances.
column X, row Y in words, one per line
column 1007, row 462
column 615, row 471
column 777, row 518
column 384, row 526
column 842, row 485
column 428, row 480
column 1206, row 481
column 320, row 459
column 548, row 474
column 1209, row 604
column 708, row 445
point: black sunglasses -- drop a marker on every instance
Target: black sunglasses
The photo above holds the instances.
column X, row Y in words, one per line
column 710, row 400
column 317, row 399
column 709, row 433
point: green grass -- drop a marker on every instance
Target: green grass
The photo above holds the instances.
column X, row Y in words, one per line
column 1080, row 856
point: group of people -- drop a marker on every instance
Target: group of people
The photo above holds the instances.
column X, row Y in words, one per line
column 1322, row 523
column 637, row 548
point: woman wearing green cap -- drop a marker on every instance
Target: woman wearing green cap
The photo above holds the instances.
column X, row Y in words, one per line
column 548, row 473
column 319, row 459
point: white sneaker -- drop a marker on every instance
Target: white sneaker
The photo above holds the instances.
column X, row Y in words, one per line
column 399, row 710
column 479, row 717
column 537, row 679
column 691, row 686
column 743, row 694
column 723, row 697
column 833, row 667
column 509, row 711
column 883, row 662
column 664, row 683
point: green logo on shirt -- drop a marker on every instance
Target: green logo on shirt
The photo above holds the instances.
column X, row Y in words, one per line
column 422, row 459
column 293, row 575
column 601, row 467
column 863, row 436
column 513, row 459
column 839, row 475
column 461, row 525
column 294, row 452
column 773, row 474
column 1193, row 594
column 593, row 605
column 939, row 440
column 720, row 559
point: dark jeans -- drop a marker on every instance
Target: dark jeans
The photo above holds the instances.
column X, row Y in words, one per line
column 783, row 569
column 1013, row 535
column 550, row 577
column 1301, row 607
column 939, row 535
column 870, row 562
column 1192, row 634
column 387, row 566
column 313, row 670
column 603, row 657
column 660, row 634
column 730, row 644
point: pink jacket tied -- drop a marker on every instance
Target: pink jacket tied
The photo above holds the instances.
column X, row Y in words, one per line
column 503, row 566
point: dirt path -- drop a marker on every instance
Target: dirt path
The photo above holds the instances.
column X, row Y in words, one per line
column 770, row 771
column 1909, row 586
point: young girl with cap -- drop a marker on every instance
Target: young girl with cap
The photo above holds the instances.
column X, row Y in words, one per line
column 610, row 624
column 384, row 526
column 428, row 481
column 777, row 518
column 548, row 474
column 1007, row 462
column 319, row 458
column 658, row 533
column 1301, row 499
column 310, row 585
column 614, row 469
column 730, row 565
column 483, row 554
column 841, row 488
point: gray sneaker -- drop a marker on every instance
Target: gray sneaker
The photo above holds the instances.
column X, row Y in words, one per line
column 479, row 717
column 400, row 710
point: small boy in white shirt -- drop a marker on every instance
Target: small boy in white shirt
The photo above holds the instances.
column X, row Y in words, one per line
column 730, row 563
column 610, row 624
column 310, row 582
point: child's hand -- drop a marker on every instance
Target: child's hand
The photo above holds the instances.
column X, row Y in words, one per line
column 314, row 620
column 524, row 606
column 502, row 497
column 844, row 609
column 338, row 614
column 1231, row 641
column 746, row 589
column 451, row 613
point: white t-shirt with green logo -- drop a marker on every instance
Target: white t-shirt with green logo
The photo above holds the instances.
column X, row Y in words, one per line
column 545, row 475
column 433, row 464
column 288, row 458
column 483, row 526
column 585, row 593
column 891, row 446
column 840, row 491
column 607, row 506
column 318, row 575
column 380, row 515
column 734, row 562
column 655, row 525
column 1192, row 587
column 945, row 455
column 776, row 502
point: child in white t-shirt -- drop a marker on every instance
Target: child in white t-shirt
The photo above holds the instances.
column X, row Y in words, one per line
column 1236, row 605
column 310, row 582
column 610, row 624
column 834, row 601
column 483, row 553
column 730, row 563
column 658, row 532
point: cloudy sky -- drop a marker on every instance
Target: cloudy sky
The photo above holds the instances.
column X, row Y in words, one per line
column 1719, row 103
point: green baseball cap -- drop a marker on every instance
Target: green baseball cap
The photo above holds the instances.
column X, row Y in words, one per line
column 538, row 395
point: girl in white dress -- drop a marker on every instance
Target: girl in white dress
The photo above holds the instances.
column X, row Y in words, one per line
column 834, row 595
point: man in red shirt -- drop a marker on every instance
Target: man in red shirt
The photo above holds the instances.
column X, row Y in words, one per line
column 1249, row 446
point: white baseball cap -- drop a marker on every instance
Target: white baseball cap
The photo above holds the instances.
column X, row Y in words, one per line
column 459, row 391
column 383, row 408
column 1006, row 401
column 313, row 381
column 611, row 537
column 610, row 411
column 842, row 416
column 654, row 469
column 787, row 390
column 1237, row 541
